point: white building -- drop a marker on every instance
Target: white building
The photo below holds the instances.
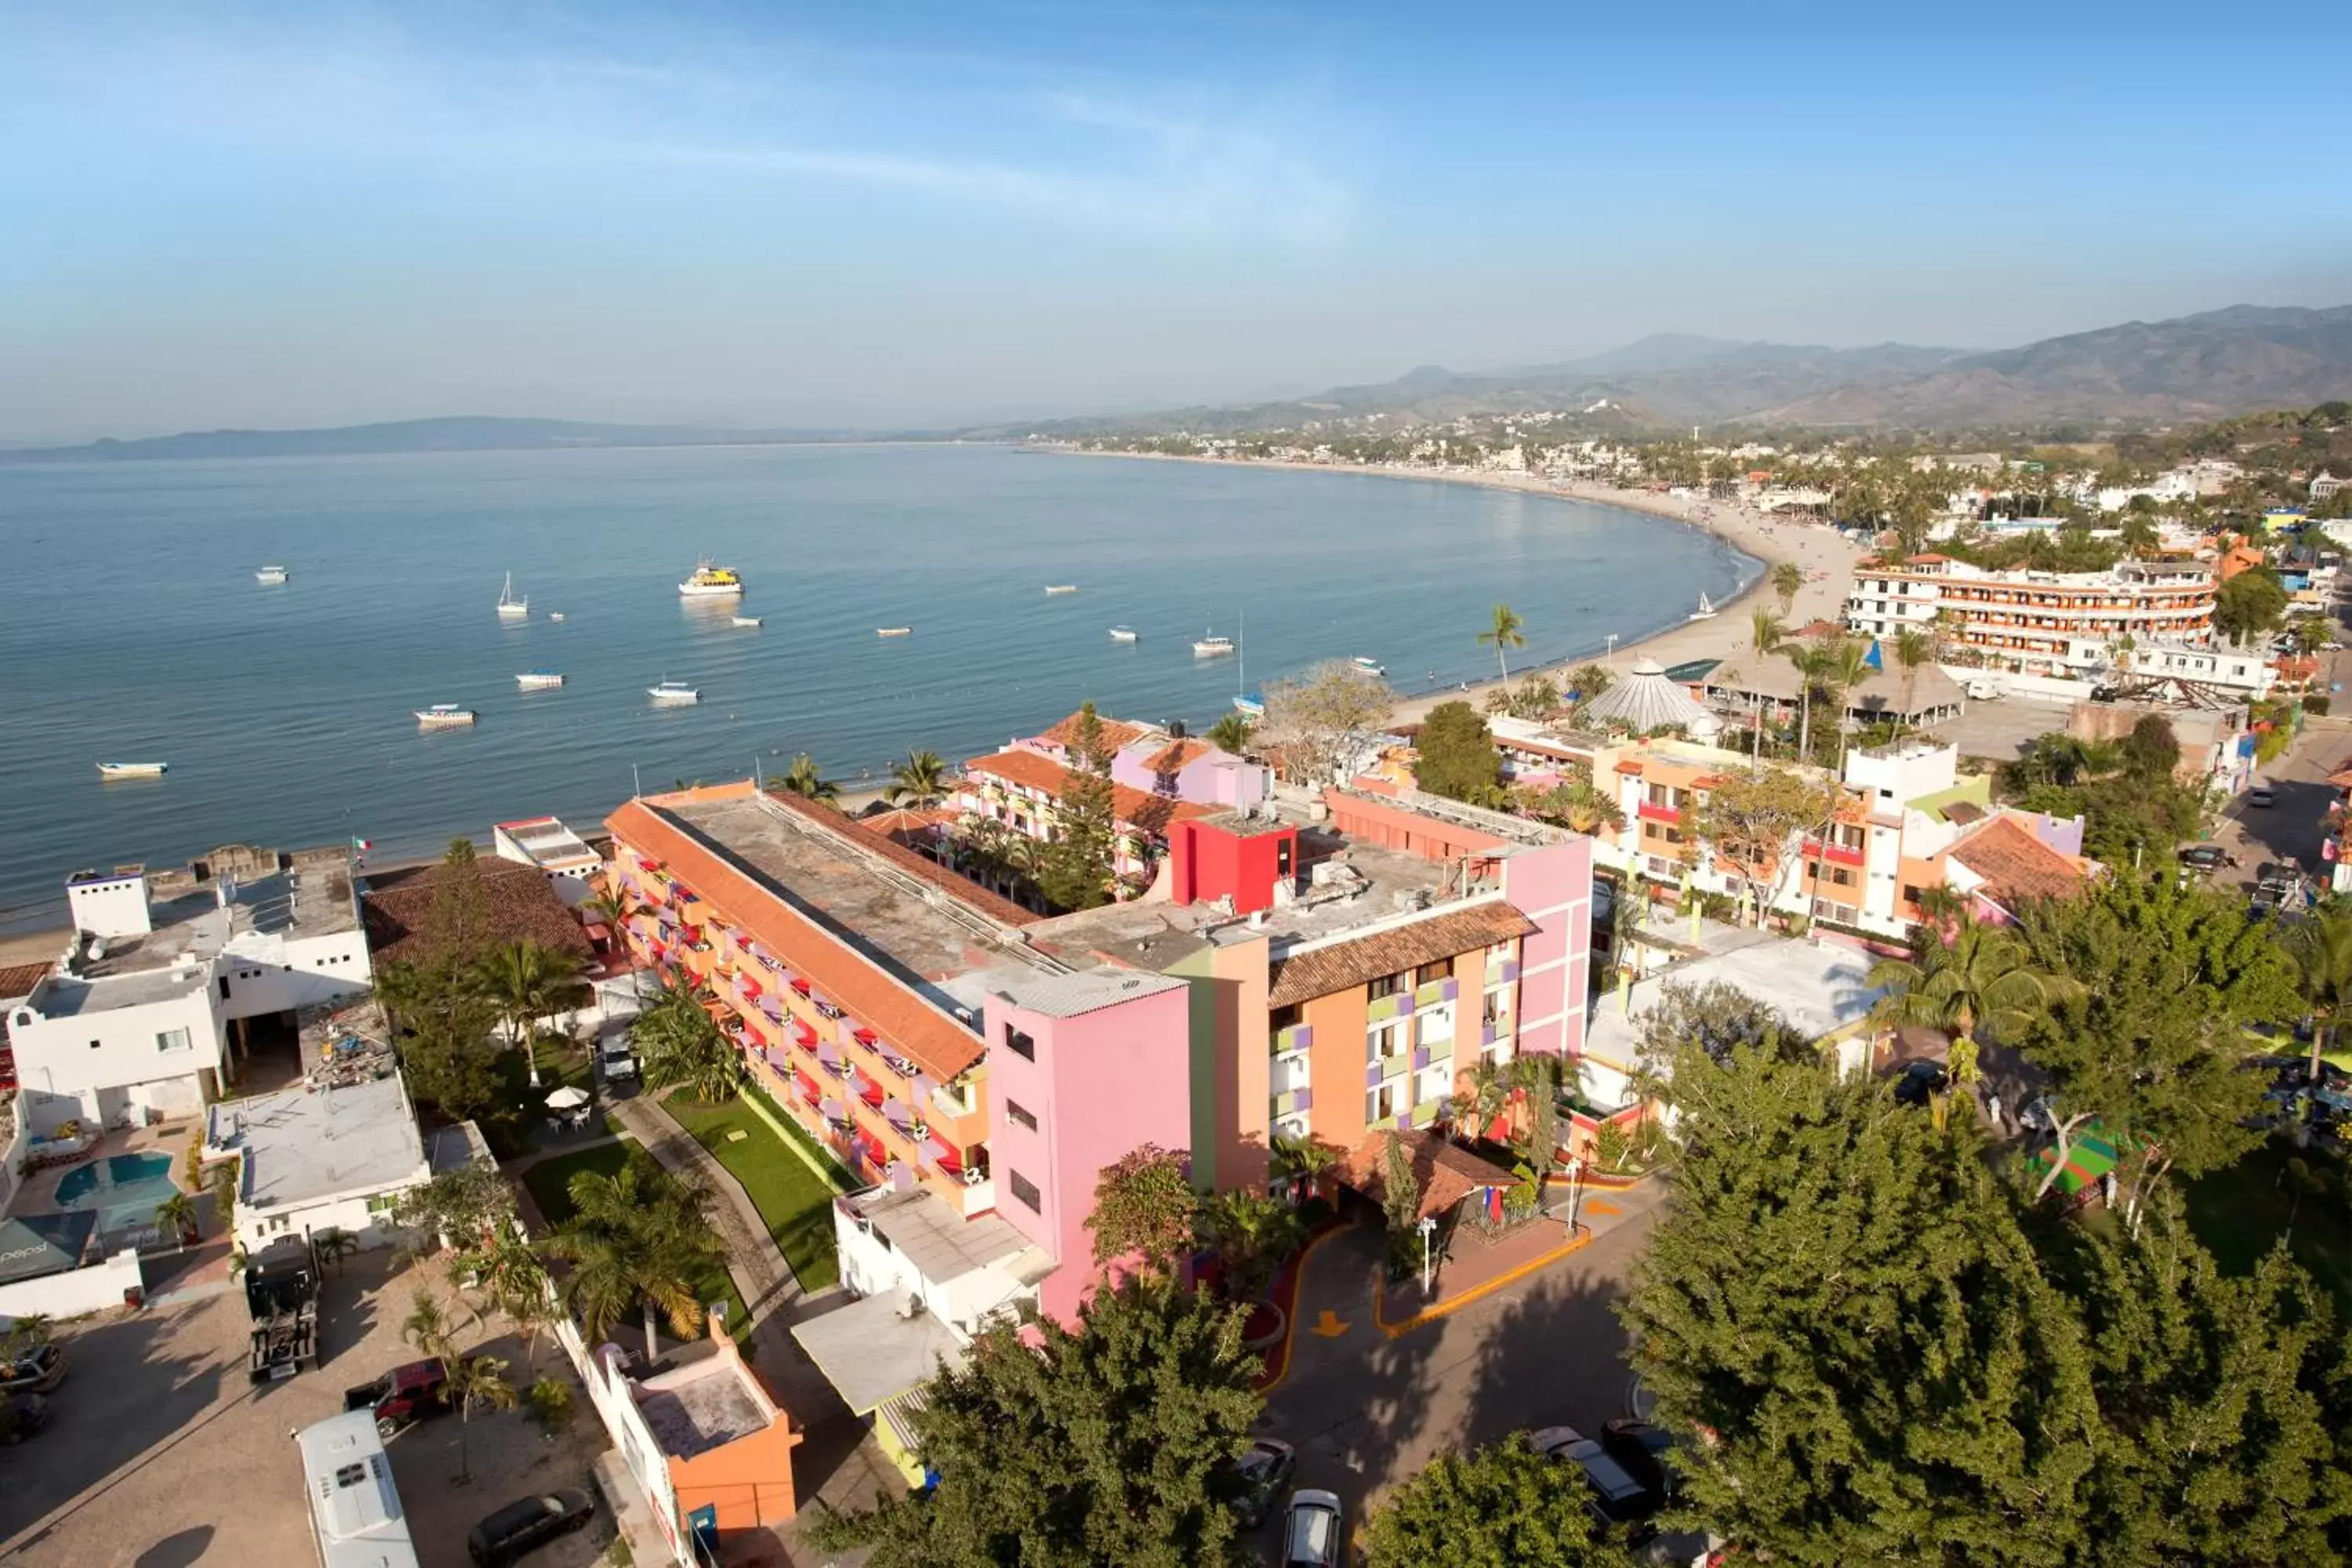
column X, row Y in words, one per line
column 154, row 992
column 2035, row 622
column 572, row 867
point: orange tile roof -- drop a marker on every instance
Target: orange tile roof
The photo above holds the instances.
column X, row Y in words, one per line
column 901, row 823
column 1444, row 1171
column 2014, row 864
column 519, row 902
column 18, row 980
column 935, row 1042
column 1116, row 733
column 1177, row 755
column 1321, row 971
column 1134, row 807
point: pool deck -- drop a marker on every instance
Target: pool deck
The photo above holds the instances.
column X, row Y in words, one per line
column 38, row 1194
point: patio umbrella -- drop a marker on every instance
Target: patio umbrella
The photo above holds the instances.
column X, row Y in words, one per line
column 571, row 1097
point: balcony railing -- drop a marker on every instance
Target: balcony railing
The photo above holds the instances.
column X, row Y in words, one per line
column 1297, row 1037
column 1397, row 1006
column 1386, row 1068
column 1435, row 992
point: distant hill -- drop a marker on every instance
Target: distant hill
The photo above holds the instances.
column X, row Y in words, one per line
column 2199, row 367
column 463, row 434
column 2207, row 366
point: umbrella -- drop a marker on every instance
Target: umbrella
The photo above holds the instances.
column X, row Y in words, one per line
column 571, row 1097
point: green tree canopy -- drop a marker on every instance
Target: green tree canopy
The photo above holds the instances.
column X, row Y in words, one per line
column 1458, row 757
column 1111, row 1443
column 1144, row 1205
column 1076, row 873
column 1505, row 1506
column 2250, row 603
column 677, row 1042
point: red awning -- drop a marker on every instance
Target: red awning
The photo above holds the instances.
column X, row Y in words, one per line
column 803, row 1032
column 802, row 987
column 871, row 1093
column 864, row 1037
column 809, row 1090
column 949, row 1160
column 875, row 1152
column 748, row 986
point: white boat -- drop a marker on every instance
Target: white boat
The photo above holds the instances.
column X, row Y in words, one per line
column 1250, row 703
column 445, row 716
column 1706, row 611
column 894, row 631
column 1207, row 646
column 132, row 770
column 674, row 693
column 270, row 575
column 1122, row 634
column 1061, row 587
column 537, row 680
column 709, row 582
column 555, row 615
column 747, row 620
column 1368, row 666
column 509, row 606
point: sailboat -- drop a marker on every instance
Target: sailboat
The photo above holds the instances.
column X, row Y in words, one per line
column 1244, row 701
column 509, row 606
column 1706, row 611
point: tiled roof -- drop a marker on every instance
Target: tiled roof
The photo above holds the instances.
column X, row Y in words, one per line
column 1135, row 808
column 1116, row 733
column 1177, row 755
column 1446, row 1172
column 18, row 980
column 2014, row 864
column 941, row 1045
column 522, row 907
column 1324, row 970
column 1964, row 812
column 901, row 824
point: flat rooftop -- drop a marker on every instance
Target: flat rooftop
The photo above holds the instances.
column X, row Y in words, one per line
column 701, row 1406
column 920, row 931
column 1349, row 884
column 301, row 1146
column 1820, row 987
column 308, row 903
column 942, row 1245
column 549, row 843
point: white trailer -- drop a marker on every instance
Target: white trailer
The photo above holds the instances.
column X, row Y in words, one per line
column 355, row 1513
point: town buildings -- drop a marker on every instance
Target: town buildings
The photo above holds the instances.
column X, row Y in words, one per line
column 571, row 865
column 2035, row 622
column 169, row 981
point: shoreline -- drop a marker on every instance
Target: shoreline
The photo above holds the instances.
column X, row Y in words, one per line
column 1826, row 558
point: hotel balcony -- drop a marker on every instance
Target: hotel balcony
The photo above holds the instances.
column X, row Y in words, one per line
column 1435, row 992
column 1500, row 970
column 1397, row 1006
column 1379, row 1072
column 1291, row 1103
column 1435, row 1052
column 1297, row 1037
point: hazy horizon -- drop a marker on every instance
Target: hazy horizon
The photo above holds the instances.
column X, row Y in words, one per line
column 931, row 216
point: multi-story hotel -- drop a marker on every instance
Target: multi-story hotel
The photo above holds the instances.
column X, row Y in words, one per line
column 2036, row 623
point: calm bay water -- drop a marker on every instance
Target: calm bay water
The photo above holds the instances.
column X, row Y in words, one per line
column 136, row 632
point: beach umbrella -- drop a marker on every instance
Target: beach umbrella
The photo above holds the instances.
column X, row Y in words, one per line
column 571, row 1097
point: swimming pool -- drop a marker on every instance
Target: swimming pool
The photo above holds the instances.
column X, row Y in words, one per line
column 122, row 1189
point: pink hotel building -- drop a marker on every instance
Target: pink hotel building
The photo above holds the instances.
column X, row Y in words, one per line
column 976, row 1065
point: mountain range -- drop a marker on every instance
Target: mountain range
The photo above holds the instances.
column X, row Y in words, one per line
column 2194, row 368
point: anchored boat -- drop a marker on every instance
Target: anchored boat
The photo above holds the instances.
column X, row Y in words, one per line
column 132, row 770
column 509, row 606
column 674, row 693
column 270, row 575
column 1122, row 634
column 1706, row 611
column 711, row 581
column 1061, row 587
column 1368, row 666
column 444, row 715
column 747, row 620
column 537, row 680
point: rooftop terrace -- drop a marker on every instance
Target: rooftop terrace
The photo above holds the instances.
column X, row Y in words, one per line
column 301, row 1146
column 703, row 1404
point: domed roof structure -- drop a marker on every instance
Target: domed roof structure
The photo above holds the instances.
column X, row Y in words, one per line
column 1644, row 701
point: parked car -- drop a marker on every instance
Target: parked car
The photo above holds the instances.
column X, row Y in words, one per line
column 1264, row 1470
column 1921, row 1081
column 524, row 1527
column 613, row 1060
column 2205, row 856
column 402, row 1396
column 35, row 1371
column 22, row 1416
column 1311, row 1531
column 1641, row 1446
column 2262, row 795
column 1614, row 1493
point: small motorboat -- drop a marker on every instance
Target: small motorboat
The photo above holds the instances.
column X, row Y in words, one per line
column 1122, row 634
column 745, row 620
column 537, row 680
column 132, row 770
column 1706, row 611
column 270, row 576
column 1207, row 647
column 674, row 693
column 555, row 615
column 509, row 606
column 893, row 631
column 1061, row 587
column 1368, row 666
column 1251, row 704
column 444, row 715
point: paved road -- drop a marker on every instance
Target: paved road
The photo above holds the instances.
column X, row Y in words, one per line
column 2291, row 831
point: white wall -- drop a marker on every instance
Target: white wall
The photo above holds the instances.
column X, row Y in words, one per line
column 112, row 1049
column 276, row 973
column 349, row 1213
column 869, row 1269
column 608, row 1392
column 78, row 1291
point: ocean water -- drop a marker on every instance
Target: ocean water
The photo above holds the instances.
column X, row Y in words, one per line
column 135, row 632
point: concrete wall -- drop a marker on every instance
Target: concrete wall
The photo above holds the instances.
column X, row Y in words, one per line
column 62, row 1063
column 1232, row 1114
column 1553, row 887
column 600, row 1372
column 352, row 1214
column 278, row 973
column 77, row 1292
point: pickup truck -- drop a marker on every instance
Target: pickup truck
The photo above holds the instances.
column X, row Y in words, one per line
column 613, row 1056
column 402, row 1396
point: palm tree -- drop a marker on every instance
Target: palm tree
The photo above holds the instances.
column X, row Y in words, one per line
column 1230, row 733
column 226, row 1183
column 178, row 1214
column 1912, row 650
column 1788, row 580
column 636, row 1239
column 1304, row 1162
column 1488, row 1093
column 430, row 1327
column 1980, row 977
column 678, row 1043
column 1844, row 664
column 1588, row 681
column 2322, row 949
column 1503, row 631
column 1808, row 661
column 921, row 781
column 526, row 981
column 1253, row 1233
column 803, row 779
column 1579, row 807
column 476, row 1380
column 333, row 1244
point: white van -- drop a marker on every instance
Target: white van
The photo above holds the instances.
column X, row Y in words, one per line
column 355, row 1514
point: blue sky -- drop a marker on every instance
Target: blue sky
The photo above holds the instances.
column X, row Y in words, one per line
column 905, row 214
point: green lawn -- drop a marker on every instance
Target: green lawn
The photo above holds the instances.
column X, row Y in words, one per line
column 796, row 1202
column 2239, row 1213
column 549, row 1183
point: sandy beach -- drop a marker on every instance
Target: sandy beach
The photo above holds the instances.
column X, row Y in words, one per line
column 1825, row 556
